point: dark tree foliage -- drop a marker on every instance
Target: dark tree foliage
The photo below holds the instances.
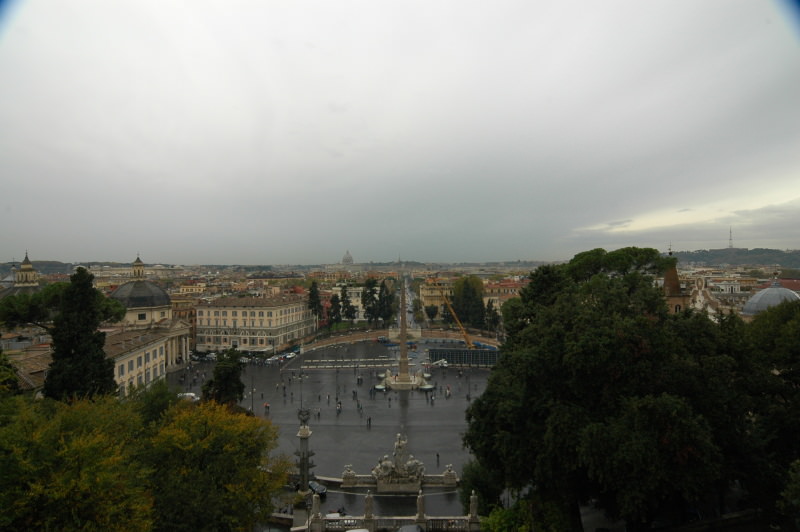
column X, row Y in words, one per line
column 369, row 301
column 385, row 303
column 468, row 301
column 80, row 367
column 71, row 313
column 774, row 334
column 335, row 311
column 314, row 300
column 348, row 310
column 225, row 386
column 600, row 393
column 9, row 384
column 492, row 316
column 431, row 311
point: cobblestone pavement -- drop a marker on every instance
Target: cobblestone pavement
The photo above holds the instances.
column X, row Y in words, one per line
column 433, row 423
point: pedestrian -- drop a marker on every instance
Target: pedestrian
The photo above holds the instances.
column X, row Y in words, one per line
column 369, row 422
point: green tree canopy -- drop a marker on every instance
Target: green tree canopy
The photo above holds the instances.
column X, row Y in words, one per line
column 225, row 386
column 386, row 307
column 105, row 464
column 369, row 301
column 314, row 300
column 348, row 309
column 72, row 466
column 212, row 469
column 335, row 311
column 601, row 393
column 72, row 313
column 431, row 311
column 468, row 301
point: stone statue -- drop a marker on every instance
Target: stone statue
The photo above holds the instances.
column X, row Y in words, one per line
column 420, row 505
column 368, row 505
column 473, row 505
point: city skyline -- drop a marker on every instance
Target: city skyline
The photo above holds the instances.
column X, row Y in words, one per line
column 288, row 133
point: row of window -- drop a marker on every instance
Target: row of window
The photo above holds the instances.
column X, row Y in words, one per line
column 224, row 340
column 234, row 313
column 140, row 360
column 143, row 379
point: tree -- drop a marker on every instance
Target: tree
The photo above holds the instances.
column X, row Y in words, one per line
column 9, row 384
column 225, row 386
column 601, row 393
column 212, row 469
column 71, row 313
column 431, row 311
column 348, row 310
column 314, row 300
column 492, row 316
column 385, row 303
column 72, row 466
column 335, row 311
column 468, row 300
column 369, row 301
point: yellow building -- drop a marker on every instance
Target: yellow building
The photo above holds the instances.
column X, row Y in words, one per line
column 253, row 323
column 144, row 356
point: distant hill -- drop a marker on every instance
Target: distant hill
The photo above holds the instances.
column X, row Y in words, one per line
column 740, row 257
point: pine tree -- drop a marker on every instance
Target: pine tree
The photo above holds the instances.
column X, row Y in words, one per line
column 80, row 367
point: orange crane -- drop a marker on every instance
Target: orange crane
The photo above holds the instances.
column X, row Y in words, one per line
column 467, row 341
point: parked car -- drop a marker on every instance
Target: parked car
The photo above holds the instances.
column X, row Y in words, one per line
column 410, row 528
column 317, row 488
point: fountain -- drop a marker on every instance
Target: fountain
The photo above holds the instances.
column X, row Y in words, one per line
column 398, row 473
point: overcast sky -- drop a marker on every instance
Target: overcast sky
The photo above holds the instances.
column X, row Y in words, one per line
column 287, row 132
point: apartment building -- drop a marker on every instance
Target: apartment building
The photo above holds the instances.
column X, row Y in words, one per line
column 144, row 356
column 253, row 323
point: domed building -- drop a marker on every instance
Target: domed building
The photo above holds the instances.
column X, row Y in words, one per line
column 768, row 297
column 146, row 302
column 26, row 280
column 151, row 342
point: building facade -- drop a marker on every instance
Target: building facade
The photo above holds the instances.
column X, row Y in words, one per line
column 253, row 323
column 144, row 356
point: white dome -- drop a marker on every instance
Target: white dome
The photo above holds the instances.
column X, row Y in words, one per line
column 769, row 297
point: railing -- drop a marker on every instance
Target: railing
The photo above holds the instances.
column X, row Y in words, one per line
column 379, row 524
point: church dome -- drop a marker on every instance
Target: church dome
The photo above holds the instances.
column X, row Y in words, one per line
column 769, row 297
column 141, row 294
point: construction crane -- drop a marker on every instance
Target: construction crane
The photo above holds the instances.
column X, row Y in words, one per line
column 458, row 321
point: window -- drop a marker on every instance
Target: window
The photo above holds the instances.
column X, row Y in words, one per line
column 224, row 312
column 121, row 372
column 139, row 380
column 200, row 313
column 139, row 361
column 163, row 314
column 141, row 316
column 234, row 314
column 252, row 313
column 260, row 313
column 147, row 376
column 147, row 357
column 216, row 313
column 130, row 366
column 161, row 350
column 244, row 340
